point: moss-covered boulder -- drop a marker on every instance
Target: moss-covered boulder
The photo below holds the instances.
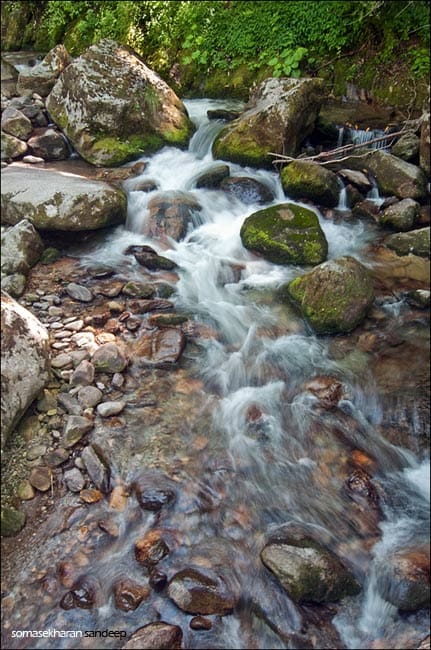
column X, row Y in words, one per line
column 308, row 571
column 334, row 297
column 407, row 147
column 12, row 147
column 113, row 108
column 285, row 234
column 308, row 180
column 396, row 177
column 401, row 215
column 12, row 521
column 54, row 201
column 279, row 115
column 415, row 242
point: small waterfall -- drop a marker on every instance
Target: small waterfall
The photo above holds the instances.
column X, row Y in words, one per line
column 342, row 201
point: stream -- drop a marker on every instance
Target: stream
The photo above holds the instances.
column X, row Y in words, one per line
column 246, row 445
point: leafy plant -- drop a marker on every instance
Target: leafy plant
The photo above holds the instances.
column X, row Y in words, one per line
column 287, row 63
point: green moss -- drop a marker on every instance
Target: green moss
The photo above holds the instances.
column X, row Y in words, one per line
column 238, row 148
column 302, row 179
column 285, row 234
column 111, row 151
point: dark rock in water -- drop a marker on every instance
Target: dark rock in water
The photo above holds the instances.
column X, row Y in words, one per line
column 153, row 490
column 159, row 347
column 144, row 186
column 327, row 389
column 285, row 234
column 171, row 214
column 86, row 592
column 157, row 579
column 12, row 521
column 200, row 623
column 158, row 636
column 366, row 210
column 404, row 578
column 155, row 262
column 166, row 320
column 68, row 601
column 247, row 190
column 360, row 486
column 198, row 590
column 212, row 177
column 419, row 298
column 145, row 306
column 356, row 178
column 138, row 289
column 151, row 548
column 129, row 594
column 222, row 114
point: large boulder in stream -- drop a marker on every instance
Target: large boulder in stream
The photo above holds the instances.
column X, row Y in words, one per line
column 279, row 115
column 285, row 234
column 113, row 108
column 55, row 201
column 25, row 365
column 335, row 296
column 307, row 180
column 396, row 177
column 308, row 571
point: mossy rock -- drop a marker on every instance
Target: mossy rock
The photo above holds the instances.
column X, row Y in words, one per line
column 415, row 242
column 12, row 521
column 334, row 297
column 285, row 234
column 308, row 180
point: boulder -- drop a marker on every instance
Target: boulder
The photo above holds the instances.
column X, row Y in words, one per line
column 308, row 180
column 388, row 265
column 213, row 176
column 280, row 114
column 113, row 108
column 415, row 242
column 396, row 177
column 199, row 590
column 21, row 248
column 160, row 635
column 308, row 572
column 25, row 366
column 401, row 215
column 335, row 296
column 54, row 201
column 285, row 234
column 407, row 147
column 12, row 147
column 404, row 578
column 49, row 145
column 170, row 215
column 42, row 77
column 15, row 123
column 247, row 190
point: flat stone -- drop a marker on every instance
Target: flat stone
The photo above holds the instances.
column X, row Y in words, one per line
column 76, row 427
column 78, row 292
column 61, row 361
column 106, row 409
column 96, row 468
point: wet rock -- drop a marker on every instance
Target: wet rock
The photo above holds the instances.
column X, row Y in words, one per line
column 138, row 289
column 166, row 320
column 109, row 358
column 156, row 636
column 12, row 521
column 170, row 215
column 335, row 296
column 153, row 490
column 86, row 592
column 408, row 266
column 75, row 428
column 308, row 572
column 118, row 498
column 424, row 644
column 106, row 409
column 327, row 389
column 56, row 457
column 74, row 480
column 155, row 262
column 415, row 242
column 213, row 176
column 395, row 176
column 419, row 298
column 109, row 526
column 366, row 210
column 401, row 215
column 24, row 362
column 356, row 178
column 144, row 186
column 247, row 190
column 308, row 180
column 129, row 594
column 97, row 468
column 83, row 374
column 112, row 86
column 117, row 380
column 89, row 396
column 110, row 289
column 54, row 201
column 91, row 495
column 78, row 292
column 200, row 623
column 69, row 403
column 68, row 601
column 222, row 114
column 40, row 478
column 198, row 590
column 404, row 578
column 151, row 548
column 159, row 347
column 158, row 579
column 144, row 306
column 285, row 234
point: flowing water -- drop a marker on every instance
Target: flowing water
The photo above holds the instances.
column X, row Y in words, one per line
column 246, row 442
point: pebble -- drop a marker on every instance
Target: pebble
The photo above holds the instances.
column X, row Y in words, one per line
column 78, row 292
column 56, row 325
column 55, row 311
column 56, row 457
column 25, row 490
column 91, row 495
column 66, row 374
column 63, row 334
column 32, row 160
column 36, row 452
column 76, row 325
column 40, row 292
column 107, row 409
column 74, row 480
column 83, row 374
column 100, row 386
column 117, row 380
column 60, row 346
column 76, row 426
column 79, row 355
column 61, row 360
column 89, row 396
column 40, row 478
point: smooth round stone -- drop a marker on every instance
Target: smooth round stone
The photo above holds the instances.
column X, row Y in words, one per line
column 55, row 311
column 78, row 292
column 26, row 491
column 61, row 361
column 117, row 380
column 40, row 478
column 89, row 396
column 74, row 480
column 36, row 452
column 107, row 409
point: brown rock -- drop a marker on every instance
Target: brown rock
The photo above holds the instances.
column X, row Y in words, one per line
column 129, row 594
column 200, row 623
column 327, row 389
column 109, row 358
column 118, row 498
column 151, row 548
column 40, row 478
column 91, row 495
column 198, row 590
column 160, row 636
column 160, row 347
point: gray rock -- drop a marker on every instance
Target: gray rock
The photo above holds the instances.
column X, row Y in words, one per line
column 107, row 409
column 25, row 366
column 12, row 521
column 41, row 77
column 12, row 147
column 90, row 396
column 415, row 242
column 213, row 176
column 96, row 467
column 83, row 374
column 74, row 480
column 109, row 358
column 15, row 123
column 78, row 292
column 69, row 403
column 54, row 201
column 49, row 145
column 308, row 180
column 407, row 147
column 396, row 177
column 21, row 248
column 75, row 428
column 401, row 215
column 14, row 284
